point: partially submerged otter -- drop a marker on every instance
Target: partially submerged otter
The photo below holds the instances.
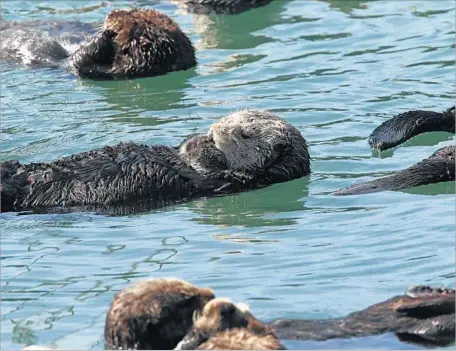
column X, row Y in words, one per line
column 423, row 315
column 440, row 167
column 153, row 314
column 245, row 150
column 222, row 325
column 158, row 314
column 132, row 43
column 220, row 6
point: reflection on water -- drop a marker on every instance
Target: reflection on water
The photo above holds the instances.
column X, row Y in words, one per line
column 263, row 209
column 140, row 95
column 335, row 70
column 236, row 32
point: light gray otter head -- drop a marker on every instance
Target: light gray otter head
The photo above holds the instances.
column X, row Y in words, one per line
column 153, row 314
column 253, row 140
column 134, row 43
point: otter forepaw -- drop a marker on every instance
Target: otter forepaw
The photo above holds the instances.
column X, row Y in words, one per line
column 235, row 177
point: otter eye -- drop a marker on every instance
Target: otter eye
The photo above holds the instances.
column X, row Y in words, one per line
column 244, row 136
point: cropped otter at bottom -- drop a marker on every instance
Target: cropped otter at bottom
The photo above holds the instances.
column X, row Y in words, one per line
column 171, row 313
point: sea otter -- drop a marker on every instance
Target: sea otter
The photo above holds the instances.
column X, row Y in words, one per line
column 164, row 313
column 153, row 314
column 244, row 150
column 132, row 43
column 222, row 325
column 220, row 6
column 440, row 167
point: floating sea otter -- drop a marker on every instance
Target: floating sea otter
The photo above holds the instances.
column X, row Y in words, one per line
column 245, row 150
column 157, row 314
column 132, row 43
column 220, row 6
column 440, row 167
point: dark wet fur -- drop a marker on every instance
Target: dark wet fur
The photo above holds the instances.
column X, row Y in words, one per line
column 157, row 318
column 406, row 125
column 129, row 178
column 426, row 319
column 127, row 175
column 440, row 167
column 222, row 6
column 150, row 44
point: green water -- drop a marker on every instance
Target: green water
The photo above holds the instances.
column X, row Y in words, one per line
column 335, row 70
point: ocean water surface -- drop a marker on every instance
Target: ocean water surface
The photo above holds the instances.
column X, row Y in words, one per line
column 335, row 70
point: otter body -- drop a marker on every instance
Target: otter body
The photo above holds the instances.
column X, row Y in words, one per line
column 440, row 167
column 133, row 43
column 130, row 177
column 423, row 315
column 220, row 6
column 171, row 313
column 118, row 179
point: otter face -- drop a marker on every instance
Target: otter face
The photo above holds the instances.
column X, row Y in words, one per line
column 134, row 43
column 221, row 314
column 228, row 326
column 253, row 139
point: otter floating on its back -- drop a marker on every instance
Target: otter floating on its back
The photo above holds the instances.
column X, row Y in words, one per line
column 246, row 150
column 168, row 313
column 132, row 43
column 440, row 167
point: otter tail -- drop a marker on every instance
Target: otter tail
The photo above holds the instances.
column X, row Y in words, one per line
column 409, row 124
column 440, row 167
column 12, row 184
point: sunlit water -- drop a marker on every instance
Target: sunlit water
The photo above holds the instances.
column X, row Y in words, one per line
column 335, row 70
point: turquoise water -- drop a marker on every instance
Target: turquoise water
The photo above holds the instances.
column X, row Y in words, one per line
column 334, row 69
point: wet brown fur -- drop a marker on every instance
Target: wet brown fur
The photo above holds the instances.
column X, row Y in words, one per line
column 224, row 325
column 153, row 314
column 135, row 43
column 123, row 22
column 240, row 339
